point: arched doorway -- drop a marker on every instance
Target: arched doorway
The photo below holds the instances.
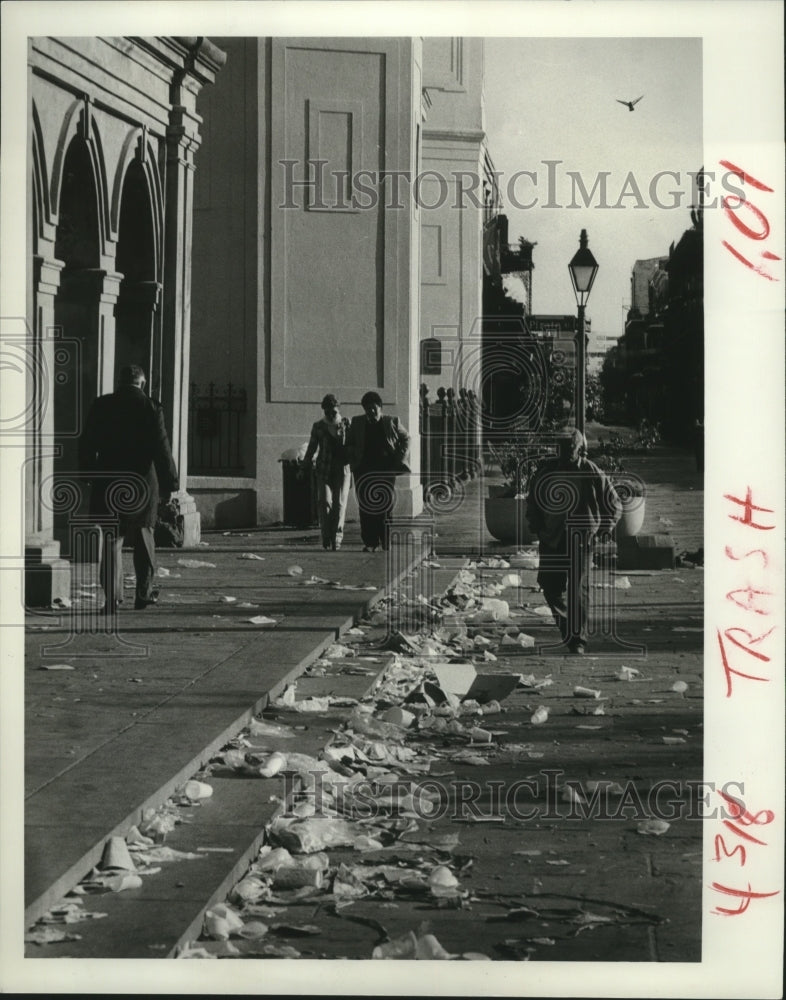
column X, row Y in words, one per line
column 76, row 314
column 137, row 304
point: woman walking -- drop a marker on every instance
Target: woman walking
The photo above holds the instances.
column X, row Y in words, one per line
column 328, row 440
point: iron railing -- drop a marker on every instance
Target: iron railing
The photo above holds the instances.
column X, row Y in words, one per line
column 216, row 419
column 450, row 441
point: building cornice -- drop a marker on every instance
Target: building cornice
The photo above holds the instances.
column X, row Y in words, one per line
column 455, row 135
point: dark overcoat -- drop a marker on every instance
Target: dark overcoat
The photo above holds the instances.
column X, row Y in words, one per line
column 395, row 448
column 125, row 453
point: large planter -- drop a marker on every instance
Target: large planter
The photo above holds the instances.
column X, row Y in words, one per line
column 506, row 520
column 632, row 520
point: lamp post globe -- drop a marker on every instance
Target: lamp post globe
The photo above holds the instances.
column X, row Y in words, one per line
column 582, row 268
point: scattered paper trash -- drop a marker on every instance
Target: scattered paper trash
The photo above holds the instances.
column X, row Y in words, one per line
column 296, row 877
column 653, row 827
column 162, row 571
column 271, row 858
column 442, row 878
column 55, row 666
column 259, row 727
column 409, row 946
column 622, row 583
column 524, row 560
column 253, row 930
column 119, row 883
column 49, row 935
column 530, row 681
column 569, row 794
column 251, row 555
column 221, row 921
column 275, row 763
column 224, row 599
column 585, row 692
column 511, row 580
column 295, row 570
column 197, row 790
column 116, row 855
column 539, row 716
column 306, row 836
column 398, row 716
column 679, row 687
column 195, row 564
column 672, row 740
column 261, row 620
column 627, row 673
column 543, row 610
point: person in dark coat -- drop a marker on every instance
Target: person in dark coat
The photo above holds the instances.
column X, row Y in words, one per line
column 377, row 449
column 124, row 451
column 570, row 500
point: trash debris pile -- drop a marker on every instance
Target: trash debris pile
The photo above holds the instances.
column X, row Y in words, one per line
column 356, row 820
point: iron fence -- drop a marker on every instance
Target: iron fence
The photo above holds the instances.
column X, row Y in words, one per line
column 216, row 420
column 450, row 442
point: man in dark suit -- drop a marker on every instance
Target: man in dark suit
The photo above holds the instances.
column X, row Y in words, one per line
column 377, row 449
column 125, row 451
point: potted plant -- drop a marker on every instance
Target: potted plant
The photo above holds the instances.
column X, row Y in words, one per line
column 505, row 508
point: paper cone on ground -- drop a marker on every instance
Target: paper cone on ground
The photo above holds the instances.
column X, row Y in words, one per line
column 116, row 855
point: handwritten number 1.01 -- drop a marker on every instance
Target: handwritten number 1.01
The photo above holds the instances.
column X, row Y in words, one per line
column 762, row 230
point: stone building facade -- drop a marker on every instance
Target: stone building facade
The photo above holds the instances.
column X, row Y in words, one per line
column 113, row 134
column 328, row 247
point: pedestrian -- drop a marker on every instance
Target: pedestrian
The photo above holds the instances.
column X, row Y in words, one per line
column 378, row 446
column 570, row 501
column 125, row 452
column 331, row 470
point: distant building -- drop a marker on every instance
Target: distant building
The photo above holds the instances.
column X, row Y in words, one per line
column 599, row 346
column 656, row 371
column 641, row 276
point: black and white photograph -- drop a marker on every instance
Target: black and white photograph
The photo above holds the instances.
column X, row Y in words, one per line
column 392, row 448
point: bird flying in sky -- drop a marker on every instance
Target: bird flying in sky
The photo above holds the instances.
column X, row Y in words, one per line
column 629, row 104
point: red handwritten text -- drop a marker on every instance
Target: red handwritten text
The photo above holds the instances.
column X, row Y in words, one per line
column 762, row 230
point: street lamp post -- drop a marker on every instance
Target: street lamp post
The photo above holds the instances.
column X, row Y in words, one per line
column 583, row 269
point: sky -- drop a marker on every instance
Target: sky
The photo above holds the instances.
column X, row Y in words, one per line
column 556, row 99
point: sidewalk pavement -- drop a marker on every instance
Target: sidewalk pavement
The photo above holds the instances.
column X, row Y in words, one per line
column 114, row 721
column 140, row 711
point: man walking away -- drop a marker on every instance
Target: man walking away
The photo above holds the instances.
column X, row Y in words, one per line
column 570, row 501
column 125, row 451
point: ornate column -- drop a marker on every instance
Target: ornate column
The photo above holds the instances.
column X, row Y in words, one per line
column 47, row 576
column 202, row 60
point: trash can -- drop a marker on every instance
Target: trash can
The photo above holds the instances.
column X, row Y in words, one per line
column 300, row 494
